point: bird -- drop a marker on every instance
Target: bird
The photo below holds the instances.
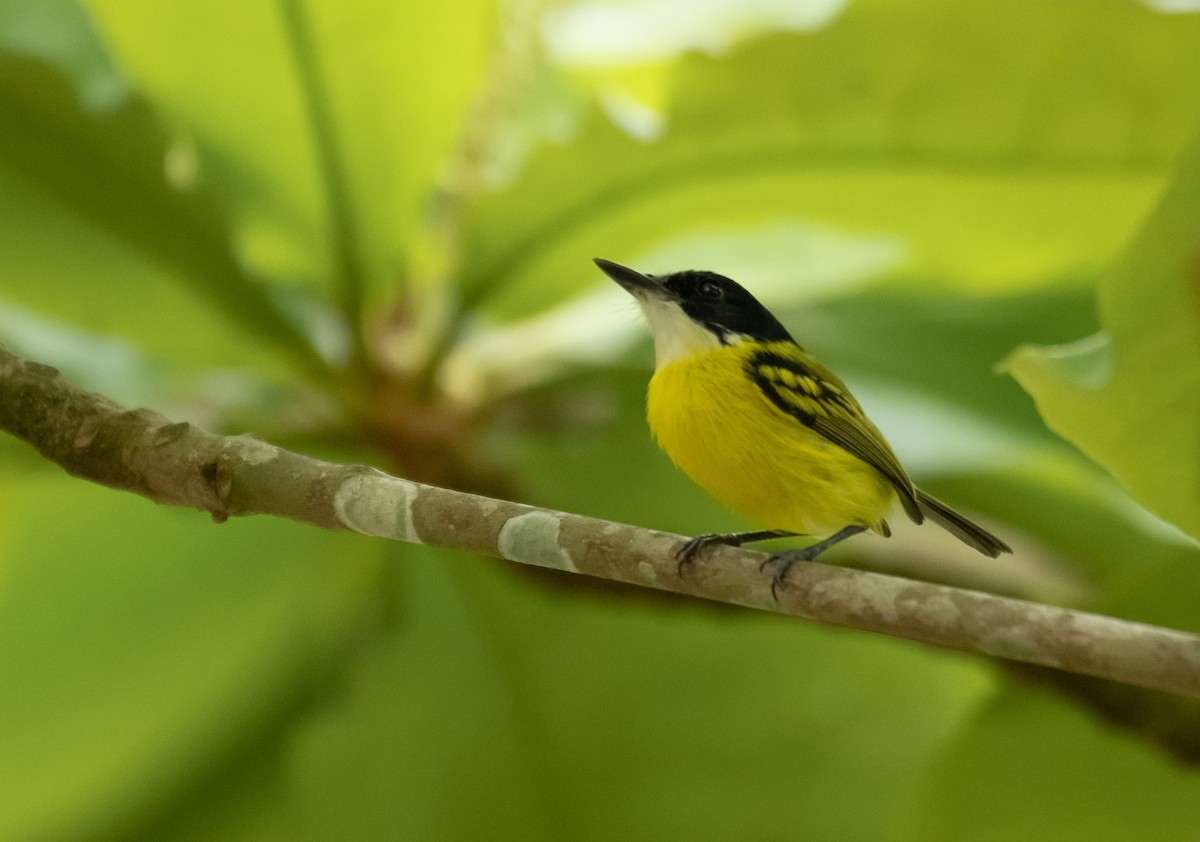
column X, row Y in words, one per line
column 757, row 422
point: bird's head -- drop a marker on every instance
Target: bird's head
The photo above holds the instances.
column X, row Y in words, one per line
column 695, row 311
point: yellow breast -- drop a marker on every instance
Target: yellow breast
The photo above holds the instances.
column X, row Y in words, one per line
column 719, row 428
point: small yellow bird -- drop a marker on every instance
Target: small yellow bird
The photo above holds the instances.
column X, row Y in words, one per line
column 764, row 428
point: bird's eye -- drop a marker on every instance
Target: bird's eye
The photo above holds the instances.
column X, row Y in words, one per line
column 712, row 291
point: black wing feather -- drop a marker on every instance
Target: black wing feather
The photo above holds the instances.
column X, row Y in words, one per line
column 810, row 393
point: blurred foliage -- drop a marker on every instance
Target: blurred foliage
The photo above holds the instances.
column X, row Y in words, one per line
column 364, row 230
column 1130, row 397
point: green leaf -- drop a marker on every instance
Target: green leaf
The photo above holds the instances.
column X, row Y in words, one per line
column 108, row 170
column 1130, row 398
column 73, row 296
column 1070, row 520
column 145, row 651
column 1034, row 767
column 59, row 32
column 998, row 150
column 605, row 713
column 944, row 345
column 397, row 78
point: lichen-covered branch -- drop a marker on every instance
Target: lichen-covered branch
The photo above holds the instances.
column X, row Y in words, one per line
column 176, row 463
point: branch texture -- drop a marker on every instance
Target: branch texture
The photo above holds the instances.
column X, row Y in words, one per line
column 177, row 463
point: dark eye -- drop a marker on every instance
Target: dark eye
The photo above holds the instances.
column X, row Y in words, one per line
column 712, row 291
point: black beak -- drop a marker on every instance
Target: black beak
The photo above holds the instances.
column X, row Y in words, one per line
column 634, row 282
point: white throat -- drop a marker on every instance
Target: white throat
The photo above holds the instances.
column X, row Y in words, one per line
column 676, row 335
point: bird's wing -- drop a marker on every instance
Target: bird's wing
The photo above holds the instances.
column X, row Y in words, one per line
column 805, row 390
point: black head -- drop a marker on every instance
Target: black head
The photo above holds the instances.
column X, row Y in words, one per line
column 722, row 305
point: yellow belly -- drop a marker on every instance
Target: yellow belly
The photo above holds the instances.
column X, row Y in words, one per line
column 719, row 428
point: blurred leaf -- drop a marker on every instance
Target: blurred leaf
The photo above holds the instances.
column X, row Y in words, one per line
column 395, row 135
column 615, row 34
column 943, row 182
column 1130, row 398
column 945, row 345
column 1001, row 149
column 1033, row 767
column 620, row 716
column 1132, row 565
column 144, row 650
column 70, row 294
column 398, row 77
column 59, row 32
column 108, row 170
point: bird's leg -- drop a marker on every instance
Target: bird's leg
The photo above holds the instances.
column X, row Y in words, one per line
column 781, row 562
column 687, row 553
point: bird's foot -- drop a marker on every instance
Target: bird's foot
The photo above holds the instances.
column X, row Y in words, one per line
column 781, row 563
column 690, row 550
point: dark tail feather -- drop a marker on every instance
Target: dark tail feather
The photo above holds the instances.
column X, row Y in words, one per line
column 960, row 527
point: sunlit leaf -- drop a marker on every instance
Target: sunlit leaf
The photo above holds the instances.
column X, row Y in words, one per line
column 397, row 77
column 109, row 170
column 58, row 31
column 914, row 188
column 1130, row 398
column 1000, row 149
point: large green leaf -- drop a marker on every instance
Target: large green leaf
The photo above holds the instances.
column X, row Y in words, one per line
column 392, row 81
column 1034, row 768
column 1130, row 397
column 158, row 670
column 567, row 714
column 999, row 149
column 944, row 345
column 145, row 651
column 107, row 169
column 58, row 31
column 70, row 293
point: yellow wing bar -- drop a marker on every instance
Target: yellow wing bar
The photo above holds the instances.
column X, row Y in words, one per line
column 805, row 390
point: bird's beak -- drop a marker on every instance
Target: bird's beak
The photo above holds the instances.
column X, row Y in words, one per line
column 634, row 282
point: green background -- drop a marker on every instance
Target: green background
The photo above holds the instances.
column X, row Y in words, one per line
column 364, row 231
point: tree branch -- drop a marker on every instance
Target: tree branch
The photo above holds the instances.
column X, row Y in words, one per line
column 177, row 463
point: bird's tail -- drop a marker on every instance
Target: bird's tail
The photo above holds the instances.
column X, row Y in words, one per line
column 960, row 527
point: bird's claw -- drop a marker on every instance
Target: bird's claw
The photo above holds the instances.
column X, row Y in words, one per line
column 781, row 563
column 689, row 550
column 779, row 568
